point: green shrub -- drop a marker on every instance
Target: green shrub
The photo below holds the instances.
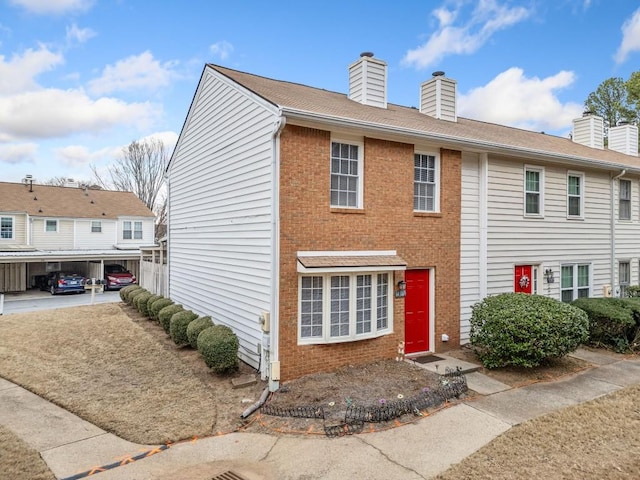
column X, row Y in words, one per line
column 136, row 294
column 131, row 293
column 150, row 302
column 164, row 315
column 178, row 326
column 125, row 290
column 141, row 302
column 158, row 305
column 613, row 322
column 194, row 329
column 218, row 346
column 131, row 296
column 633, row 291
column 525, row 330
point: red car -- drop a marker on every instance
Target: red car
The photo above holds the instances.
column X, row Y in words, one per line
column 116, row 277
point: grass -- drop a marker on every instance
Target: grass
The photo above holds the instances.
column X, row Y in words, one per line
column 95, row 362
column 19, row 461
column 595, row 440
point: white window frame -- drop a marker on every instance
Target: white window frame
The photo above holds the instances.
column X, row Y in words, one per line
column 137, row 232
column 360, row 182
column 13, row 227
column 580, row 195
column 575, row 288
column 540, row 193
column 125, row 230
column 620, row 199
column 352, row 336
column 46, row 225
column 627, row 281
column 96, row 226
column 436, row 181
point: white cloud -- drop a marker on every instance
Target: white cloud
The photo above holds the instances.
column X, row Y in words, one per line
column 168, row 138
column 221, row 49
column 79, row 35
column 138, row 72
column 630, row 37
column 513, row 99
column 17, row 75
column 18, row 153
column 78, row 156
column 54, row 6
column 487, row 18
column 51, row 113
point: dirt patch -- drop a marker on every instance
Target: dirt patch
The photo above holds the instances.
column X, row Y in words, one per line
column 521, row 376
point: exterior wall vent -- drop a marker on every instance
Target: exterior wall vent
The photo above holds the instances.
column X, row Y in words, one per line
column 589, row 130
column 624, row 139
column 438, row 97
column 368, row 81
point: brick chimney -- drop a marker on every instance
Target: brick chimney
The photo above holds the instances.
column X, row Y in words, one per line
column 624, row 138
column 368, row 81
column 438, row 97
column 589, row 130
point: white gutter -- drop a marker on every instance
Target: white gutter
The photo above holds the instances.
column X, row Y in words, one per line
column 613, row 228
column 273, row 368
column 459, row 143
column 483, row 221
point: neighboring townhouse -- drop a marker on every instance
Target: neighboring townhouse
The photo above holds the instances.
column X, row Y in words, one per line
column 330, row 229
column 46, row 228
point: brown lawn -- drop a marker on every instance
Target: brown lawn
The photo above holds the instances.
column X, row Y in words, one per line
column 18, row 461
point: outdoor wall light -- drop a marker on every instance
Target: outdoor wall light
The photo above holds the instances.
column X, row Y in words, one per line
column 401, row 290
column 548, row 275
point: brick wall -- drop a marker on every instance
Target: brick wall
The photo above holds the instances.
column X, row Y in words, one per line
column 387, row 222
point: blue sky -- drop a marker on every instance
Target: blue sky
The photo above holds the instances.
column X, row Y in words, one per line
column 81, row 79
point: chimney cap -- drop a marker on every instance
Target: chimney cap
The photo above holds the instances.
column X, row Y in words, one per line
column 587, row 113
column 367, row 54
column 622, row 123
column 438, row 73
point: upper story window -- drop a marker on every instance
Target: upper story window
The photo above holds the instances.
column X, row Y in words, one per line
column 575, row 282
column 575, row 194
column 533, row 191
column 51, row 225
column 131, row 230
column 6, row 228
column 346, row 174
column 624, row 210
column 96, row 226
column 344, row 307
column 425, row 183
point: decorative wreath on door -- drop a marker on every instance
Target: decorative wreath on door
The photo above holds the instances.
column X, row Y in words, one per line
column 524, row 281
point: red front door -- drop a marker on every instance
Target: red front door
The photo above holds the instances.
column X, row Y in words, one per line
column 416, row 307
column 523, row 279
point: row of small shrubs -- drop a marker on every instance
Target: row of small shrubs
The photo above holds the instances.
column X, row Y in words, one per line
column 217, row 344
column 613, row 322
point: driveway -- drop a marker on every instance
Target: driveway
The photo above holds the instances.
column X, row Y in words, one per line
column 33, row 300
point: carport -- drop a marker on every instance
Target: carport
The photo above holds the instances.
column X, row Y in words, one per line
column 20, row 269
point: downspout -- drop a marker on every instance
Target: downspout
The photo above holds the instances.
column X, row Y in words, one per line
column 274, row 354
column 168, row 238
column 613, row 229
column 483, row 221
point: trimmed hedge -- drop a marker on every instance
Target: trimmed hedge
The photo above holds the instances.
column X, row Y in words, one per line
column 178, row 326
column 128, row 296
column 140, row 302
column 194, row 329
column 218, row 346
column 159, row 305
column 525, row 330
column 133, row 296
column 613, row 322
column 125, row 290
column 150, row 303
column 164, row 315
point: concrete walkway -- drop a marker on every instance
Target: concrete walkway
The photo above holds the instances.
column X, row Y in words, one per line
column 420, row 450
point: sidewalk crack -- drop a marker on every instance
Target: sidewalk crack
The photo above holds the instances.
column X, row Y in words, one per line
column 389, row 459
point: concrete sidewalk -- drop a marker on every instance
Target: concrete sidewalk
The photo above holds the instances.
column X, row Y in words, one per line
column 420, row 450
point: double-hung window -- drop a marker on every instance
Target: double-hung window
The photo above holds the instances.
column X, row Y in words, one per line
column 51, row 225
column 346, row 174
column 6, row 228
column 624, row 197
column 425, row 183
column 131, row 230
column 344, row 307
column 624, row 277
column 575, row 195
column 575, row 282
column 96, row 226
column 533, row 191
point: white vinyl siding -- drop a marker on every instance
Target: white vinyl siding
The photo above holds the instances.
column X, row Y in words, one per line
column 367, row 82
column 14, row 229
column 346, row 174
column 344, row 307
column 63, row 239
column 426, row 180
column 220, row 220
column 87, row 238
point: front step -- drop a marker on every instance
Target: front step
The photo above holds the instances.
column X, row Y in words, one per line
column 443, row 363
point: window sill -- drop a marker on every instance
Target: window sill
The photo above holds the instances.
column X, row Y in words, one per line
column 575, row 218
column 347, row 210
column 534, row 217
column 322, row 341
column 428, row 214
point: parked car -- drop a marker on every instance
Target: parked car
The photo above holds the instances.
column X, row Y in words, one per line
column 117, row 277
column 63, row 282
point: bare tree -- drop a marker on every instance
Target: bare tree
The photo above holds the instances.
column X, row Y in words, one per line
column 140, row 169
column 65, row 181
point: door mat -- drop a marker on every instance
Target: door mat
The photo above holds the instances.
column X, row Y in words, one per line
column 427, row 359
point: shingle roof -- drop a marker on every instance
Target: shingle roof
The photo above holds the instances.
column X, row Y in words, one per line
column 353, row 261
column 480, row 135
column 68, row 202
